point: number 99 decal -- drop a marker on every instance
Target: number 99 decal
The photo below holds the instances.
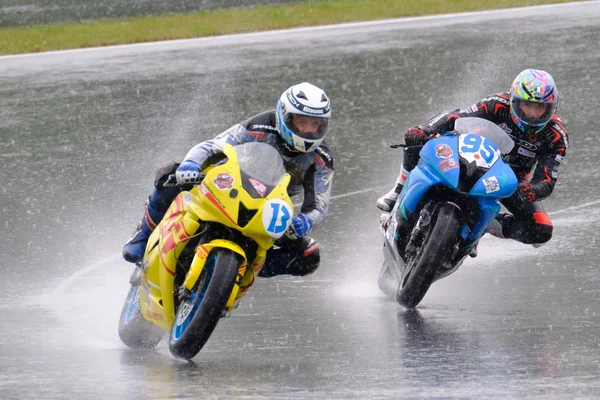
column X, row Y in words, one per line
column 475, row 148
column 276, row 217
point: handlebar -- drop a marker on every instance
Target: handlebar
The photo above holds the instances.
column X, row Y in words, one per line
column 395, row 146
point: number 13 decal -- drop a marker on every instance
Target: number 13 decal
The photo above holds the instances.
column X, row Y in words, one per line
column 277, row 215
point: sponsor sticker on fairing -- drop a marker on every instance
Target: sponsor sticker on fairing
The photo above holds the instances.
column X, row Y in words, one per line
column 442, row 150
column 554, row 174
column 448, row 164
column 559, row 158
column 491, row 184
column 260, row 188
column 223, row 181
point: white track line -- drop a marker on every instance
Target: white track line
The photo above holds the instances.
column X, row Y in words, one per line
column 592, row 203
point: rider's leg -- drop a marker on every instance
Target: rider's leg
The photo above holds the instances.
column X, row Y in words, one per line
column 388, row 200
column 292, row 257
column 155, row 209
column 411, row 158
column 528, row 223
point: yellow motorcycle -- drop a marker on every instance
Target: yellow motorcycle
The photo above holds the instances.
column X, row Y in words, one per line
column 206, row 252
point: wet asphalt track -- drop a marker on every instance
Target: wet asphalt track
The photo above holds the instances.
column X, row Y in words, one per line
column 82, row 133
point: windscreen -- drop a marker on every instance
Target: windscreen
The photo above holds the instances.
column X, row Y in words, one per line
column 260, row 161
column 487, row 129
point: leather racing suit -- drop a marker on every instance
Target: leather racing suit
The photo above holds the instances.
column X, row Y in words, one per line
column 534, row 158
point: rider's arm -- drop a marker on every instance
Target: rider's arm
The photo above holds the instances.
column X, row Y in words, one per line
column 486, row 108
column 546, row 172
column 202, row 151
column 317, row 186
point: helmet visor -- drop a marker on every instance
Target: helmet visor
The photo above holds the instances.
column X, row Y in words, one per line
column 533, row 113
column 307, row 127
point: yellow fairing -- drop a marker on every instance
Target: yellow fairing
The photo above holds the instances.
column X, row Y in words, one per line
column 218, row 199
column 221, row 195
column 163, row 249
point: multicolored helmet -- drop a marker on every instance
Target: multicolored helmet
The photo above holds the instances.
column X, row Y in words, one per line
column 533, row 100
column 303, row 100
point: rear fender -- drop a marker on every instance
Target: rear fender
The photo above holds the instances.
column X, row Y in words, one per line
column 202, row 252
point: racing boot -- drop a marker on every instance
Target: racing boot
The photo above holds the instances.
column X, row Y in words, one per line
column 387, row 202
column 134, row 249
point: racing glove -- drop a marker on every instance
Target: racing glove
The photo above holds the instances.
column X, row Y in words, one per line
column 188, row 172
column 525, row 192
column 417, row 136
column 301, row 225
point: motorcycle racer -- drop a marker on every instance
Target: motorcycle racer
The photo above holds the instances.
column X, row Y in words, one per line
column 528, row 114
column 296, row 129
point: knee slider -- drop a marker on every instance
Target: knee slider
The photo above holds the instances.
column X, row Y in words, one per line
column 308, row 262
column 543, row 234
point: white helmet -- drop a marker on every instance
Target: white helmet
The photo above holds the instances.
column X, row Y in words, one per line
column 308, row 100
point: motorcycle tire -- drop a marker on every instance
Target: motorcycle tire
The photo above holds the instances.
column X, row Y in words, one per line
column 435, row 248
column 197, row 317
column 134, row 330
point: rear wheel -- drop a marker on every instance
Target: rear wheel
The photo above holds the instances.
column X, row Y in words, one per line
column 134, row 330
column 198, row 315
column 433, row 252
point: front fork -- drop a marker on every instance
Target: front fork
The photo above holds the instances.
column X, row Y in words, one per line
column 197, row 266
column 418, row 233
column 245, row 277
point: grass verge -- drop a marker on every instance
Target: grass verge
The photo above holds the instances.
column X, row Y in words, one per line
column 228, row 21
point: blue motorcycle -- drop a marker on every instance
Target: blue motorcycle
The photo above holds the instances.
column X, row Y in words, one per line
column 449, row 199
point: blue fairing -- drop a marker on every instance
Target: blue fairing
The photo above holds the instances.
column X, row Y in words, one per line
column 501, row 175
column 434, row 157
column 489, row 208
column 429, row 173
column 439, row 165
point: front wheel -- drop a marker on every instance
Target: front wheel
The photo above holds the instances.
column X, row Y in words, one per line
column 198, row 315
column 430, row 256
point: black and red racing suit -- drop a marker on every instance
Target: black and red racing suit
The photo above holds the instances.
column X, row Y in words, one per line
column 535, row 158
